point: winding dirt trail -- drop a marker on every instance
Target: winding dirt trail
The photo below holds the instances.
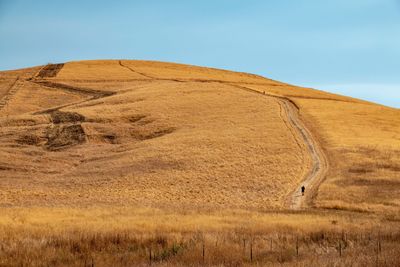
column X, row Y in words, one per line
column 295, row 200
column 319, row 167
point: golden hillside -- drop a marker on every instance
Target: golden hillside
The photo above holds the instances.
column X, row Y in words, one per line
column 162, row 134
column 122, row 163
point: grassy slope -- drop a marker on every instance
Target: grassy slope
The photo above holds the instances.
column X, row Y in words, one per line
column 155, row 143
column 188, row 135
column 182, row 150
column 362, row 142
column 363, row 145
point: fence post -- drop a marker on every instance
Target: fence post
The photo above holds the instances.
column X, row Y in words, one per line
column 378, row 245
column 150, row 255
column 251, row 250
column 297, row 246
column 377, row 258
column 379, row 242
column 204, row 251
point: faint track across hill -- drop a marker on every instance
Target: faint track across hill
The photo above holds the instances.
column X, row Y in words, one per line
column 91, row 93
column 75, row 89
column 15, row 86
column 134, row 71
column 51, row 70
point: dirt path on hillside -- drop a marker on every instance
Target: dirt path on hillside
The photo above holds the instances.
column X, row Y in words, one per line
column 319, row 168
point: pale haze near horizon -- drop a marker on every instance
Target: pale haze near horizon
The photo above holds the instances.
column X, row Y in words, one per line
column 346, row 47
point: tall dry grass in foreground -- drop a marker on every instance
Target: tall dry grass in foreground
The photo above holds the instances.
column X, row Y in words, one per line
column 239, row 248
column 158, row 238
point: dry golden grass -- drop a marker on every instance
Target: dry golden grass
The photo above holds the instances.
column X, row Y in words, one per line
column 163, row 70
column 298, row 93
column 362, row 142
column 5, row 85
column 25, row 73
column 127, row 236
column 203, row 149
column 179, row 156
column 96, row 70
column 36, row 98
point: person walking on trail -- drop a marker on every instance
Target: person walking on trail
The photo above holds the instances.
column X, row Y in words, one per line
column 303, row 188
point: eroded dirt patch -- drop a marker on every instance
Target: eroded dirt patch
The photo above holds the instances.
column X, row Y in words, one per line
column 5, row 168
column 62, row 136
column 50, row 70
column 110, row 138
column 136, row 118
column 140, row 120
column 58, row 117
column 377, row 182
column 145, row 135
column 29, row 139
column 66, row 130
column 372, row 167
column 133, row 128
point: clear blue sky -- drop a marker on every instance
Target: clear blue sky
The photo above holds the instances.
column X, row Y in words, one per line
column 346, row 46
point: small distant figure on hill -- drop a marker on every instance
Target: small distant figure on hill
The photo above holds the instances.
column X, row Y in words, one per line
column 264, row 92
column 303, row 188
